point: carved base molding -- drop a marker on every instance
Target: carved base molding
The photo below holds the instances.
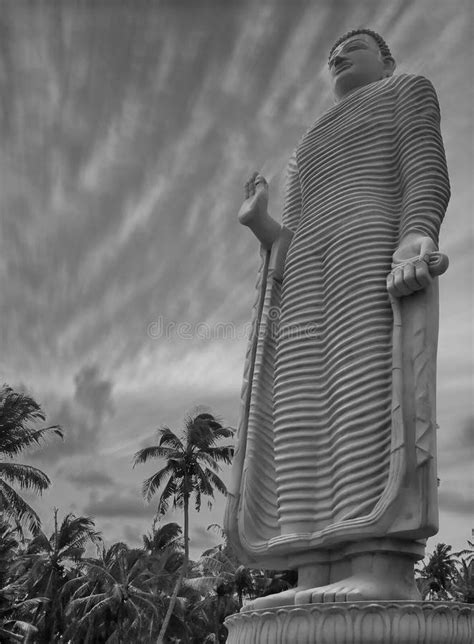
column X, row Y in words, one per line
column 391, row 622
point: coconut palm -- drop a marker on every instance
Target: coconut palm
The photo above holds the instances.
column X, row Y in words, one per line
column 222, row 582
column 163, row 537
column 437, row 574
column 47, row 565
column 463, row 582
column 217, row 604
column 467, row 553
column 190, row 470
column 12, row 625
column 221, row 565
column 114, row 599
column 18, row 414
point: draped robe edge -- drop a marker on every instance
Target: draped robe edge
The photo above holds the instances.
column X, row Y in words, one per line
column 407, row 507
column 412, row 476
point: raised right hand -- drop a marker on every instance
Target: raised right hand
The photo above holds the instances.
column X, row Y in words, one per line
column 256, row 200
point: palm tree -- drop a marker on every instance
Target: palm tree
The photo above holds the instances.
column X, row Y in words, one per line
column 467, row 553
column 220, row 564
column 47, row 563
column 17, row 411
column 114, row 600
column 13, row 626
column 192, row 464
column 437, row 574
column 217, row 604
column 166, row 536
column 222, row 583
column 463, row 582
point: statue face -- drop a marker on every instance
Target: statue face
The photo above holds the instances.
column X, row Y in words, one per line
column 356, row 62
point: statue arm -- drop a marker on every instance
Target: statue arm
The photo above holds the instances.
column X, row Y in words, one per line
column 423, row 171
column 425, row 187
column 254, row 210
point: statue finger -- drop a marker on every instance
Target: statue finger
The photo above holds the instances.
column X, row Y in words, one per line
column 391, row 288
column 399, row 281
column 259, row 179
column 427, row 247
column 253, row 176
column 409, row 278
column 422, row 274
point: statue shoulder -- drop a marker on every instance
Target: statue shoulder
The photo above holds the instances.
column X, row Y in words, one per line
column 415, row 95
column 413, row 83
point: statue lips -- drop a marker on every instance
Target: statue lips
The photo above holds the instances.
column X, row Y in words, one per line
column 341, row 67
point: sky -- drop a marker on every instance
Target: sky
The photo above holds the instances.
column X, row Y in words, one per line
column 126, row 283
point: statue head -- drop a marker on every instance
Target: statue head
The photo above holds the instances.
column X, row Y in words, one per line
column 358, row 58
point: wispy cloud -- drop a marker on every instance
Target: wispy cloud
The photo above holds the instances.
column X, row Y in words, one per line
column 115, row 505
column 81, row 417
column 88, row 478
column 126, row 142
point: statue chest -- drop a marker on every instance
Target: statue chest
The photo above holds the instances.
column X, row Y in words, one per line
column 354, row 144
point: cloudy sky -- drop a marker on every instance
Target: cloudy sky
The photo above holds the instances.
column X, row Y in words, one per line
column 128, row 129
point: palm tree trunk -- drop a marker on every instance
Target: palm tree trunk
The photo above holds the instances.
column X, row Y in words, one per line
column 182, row 573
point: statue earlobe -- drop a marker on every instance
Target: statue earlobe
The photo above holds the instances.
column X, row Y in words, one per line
column 389, row 66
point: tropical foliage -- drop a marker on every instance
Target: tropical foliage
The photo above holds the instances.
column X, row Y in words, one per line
column 66, row 585
column 19, row 415
column 46, row 565
column 190, row 472
column 445, row 575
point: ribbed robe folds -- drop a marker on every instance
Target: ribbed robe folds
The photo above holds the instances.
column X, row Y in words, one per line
column 320, row 459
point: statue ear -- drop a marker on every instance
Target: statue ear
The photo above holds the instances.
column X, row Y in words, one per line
column 389, row 66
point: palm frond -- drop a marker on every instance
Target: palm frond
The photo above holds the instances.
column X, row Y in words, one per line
column 153, row 483
column 80, row 602
column 101, row 572
column 168, row 437
column 154, row 451
column 24, row 609
column 76, row 532
column 26, row 629
column 203, row 585
column 197, row 499
column 96, row 608
column 25, row 476
column 166, row 535
column 141, row 596
column 468, row 553
column 170, row 490
column 223, row 432
column 222, row 454
column 215, row 565
column 216, row 482
column 204, row 457
column 39, row 542
column 16, row 412
column 202, row 481
column 16, row 507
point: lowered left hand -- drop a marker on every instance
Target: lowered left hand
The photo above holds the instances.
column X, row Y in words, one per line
column 410, row 267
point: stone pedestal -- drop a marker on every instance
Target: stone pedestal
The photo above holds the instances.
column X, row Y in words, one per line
column 391, row 622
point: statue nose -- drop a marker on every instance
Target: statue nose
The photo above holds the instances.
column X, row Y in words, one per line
column 336, row 60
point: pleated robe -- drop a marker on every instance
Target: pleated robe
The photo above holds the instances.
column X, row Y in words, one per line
column 328, row 451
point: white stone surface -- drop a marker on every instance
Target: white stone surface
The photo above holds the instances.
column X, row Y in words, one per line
column 356, row 623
